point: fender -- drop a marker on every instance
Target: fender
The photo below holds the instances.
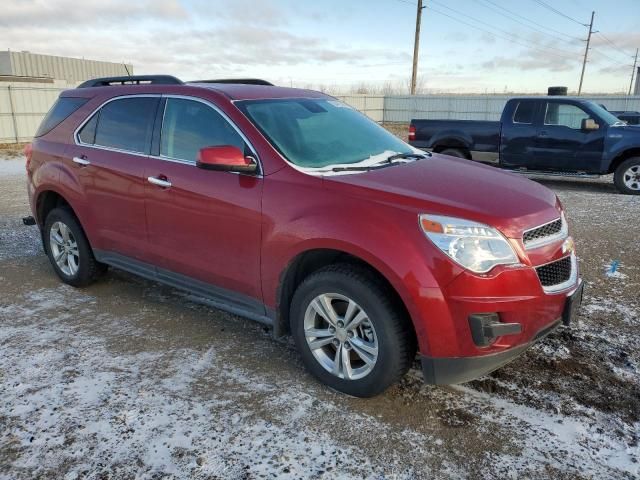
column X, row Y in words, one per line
column 452, row 137
column 63, row 184
column 619, row 142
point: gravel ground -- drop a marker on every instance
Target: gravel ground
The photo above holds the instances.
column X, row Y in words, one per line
column 128, row 378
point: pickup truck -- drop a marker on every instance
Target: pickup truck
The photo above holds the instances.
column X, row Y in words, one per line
column 542, row 135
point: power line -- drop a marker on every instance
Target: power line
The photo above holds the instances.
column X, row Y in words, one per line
column 614, row 46
column 613, row 60
column 519, row 40
column 558, row 12
column 511, row 14
column 493, row 34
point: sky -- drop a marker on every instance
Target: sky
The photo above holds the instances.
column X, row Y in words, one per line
column 473, row 46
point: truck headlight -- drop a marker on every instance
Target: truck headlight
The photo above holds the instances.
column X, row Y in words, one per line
column 475, row 246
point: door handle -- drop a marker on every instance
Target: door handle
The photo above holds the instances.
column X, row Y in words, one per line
column 81, row 161
column 543, row 133
column 159, row 181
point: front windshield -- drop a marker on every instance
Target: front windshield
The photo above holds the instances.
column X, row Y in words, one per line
column 316, row 133
column 605, row 115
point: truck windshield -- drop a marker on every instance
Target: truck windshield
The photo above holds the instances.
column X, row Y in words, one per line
column 605, row 115
column 317, row 133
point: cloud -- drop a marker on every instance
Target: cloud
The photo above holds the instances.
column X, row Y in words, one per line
column 202, row 51
column 70, row 13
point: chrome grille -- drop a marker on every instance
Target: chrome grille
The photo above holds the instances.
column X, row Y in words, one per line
column 540, row 233
column 555, row 273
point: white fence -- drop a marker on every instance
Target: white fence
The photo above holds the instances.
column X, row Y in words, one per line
column 23, row 107
column 402, row 109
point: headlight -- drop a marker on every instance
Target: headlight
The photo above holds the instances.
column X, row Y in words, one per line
column 474, row 246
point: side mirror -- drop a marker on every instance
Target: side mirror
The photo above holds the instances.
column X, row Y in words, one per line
column 226, row 158
column 589, row 124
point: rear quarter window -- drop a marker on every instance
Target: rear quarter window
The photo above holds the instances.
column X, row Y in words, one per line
column 524, row 112
column 60, row 111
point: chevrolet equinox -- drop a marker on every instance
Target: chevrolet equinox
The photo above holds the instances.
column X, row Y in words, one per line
column 291, row 208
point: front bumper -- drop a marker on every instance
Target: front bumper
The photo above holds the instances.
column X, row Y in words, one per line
column 452, row 370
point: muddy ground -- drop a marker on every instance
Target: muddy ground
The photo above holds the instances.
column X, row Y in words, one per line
column 128, row 378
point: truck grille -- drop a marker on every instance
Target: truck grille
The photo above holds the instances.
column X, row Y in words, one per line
column 539, row 234
column 555, row 273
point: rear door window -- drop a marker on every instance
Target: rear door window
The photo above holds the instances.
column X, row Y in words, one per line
column 525, row 112
column 60, row 111
column 190, row 125
column 126, row 124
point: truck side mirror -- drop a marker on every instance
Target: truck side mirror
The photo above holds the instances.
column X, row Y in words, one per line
column 589, row 124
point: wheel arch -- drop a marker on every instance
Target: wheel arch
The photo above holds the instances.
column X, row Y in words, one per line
column 443, row 144
column 309, row 261
column 46, row 201
column 621, row 157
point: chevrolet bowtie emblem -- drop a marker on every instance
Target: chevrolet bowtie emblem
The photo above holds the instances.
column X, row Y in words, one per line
column 568, row 246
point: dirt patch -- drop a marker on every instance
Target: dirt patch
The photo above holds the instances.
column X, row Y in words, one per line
column 400, row 130
column 11, row 150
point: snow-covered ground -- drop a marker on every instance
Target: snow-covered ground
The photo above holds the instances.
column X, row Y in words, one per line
column 131, row 379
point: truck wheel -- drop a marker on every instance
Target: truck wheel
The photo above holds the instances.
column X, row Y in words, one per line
column 349, row 333
column 627, row 176
column 69, row 250
column 454, row 152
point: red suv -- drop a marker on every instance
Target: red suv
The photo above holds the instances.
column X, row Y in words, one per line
column 291, row 208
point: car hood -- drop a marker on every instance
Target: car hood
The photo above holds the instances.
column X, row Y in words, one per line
column 449, row 186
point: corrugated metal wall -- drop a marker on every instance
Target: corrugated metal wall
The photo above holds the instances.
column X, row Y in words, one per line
column 371, row 105
column 72, row 70
column 31, row 103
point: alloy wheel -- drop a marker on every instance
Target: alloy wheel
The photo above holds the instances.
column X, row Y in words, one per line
column 64, row 248
column 631, row 177
column 341, row 336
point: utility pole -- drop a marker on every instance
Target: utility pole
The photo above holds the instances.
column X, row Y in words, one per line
column 416, row 44
column 635, row 61
column 586, row 52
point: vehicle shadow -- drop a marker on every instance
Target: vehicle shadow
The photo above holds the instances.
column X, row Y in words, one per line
column 577, row 184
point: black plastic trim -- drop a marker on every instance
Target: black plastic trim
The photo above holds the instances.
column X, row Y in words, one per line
column 133, row 79
column 202, row 292
column 236, row 81
column 452, row 370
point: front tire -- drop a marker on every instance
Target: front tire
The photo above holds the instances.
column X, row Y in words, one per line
column 349, row 332
column 627, row 176
column 69, row 250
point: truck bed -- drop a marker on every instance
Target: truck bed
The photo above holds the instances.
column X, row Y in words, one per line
column 480, row 136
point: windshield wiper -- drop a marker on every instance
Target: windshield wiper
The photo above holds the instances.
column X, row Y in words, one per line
column 361, row 168
column 385, row 163
column 399, row 156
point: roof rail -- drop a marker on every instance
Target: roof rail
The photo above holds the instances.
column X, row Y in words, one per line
column 134, row 79
column 239, row 81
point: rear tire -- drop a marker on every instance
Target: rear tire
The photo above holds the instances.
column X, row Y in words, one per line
column 454, row 152
column 627, row 176
column 69, row 250
column 349, row 332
